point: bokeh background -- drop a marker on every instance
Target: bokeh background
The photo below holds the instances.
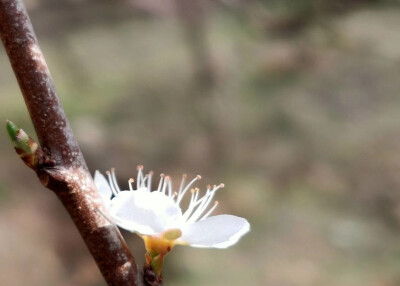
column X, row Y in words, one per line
column 294, row 105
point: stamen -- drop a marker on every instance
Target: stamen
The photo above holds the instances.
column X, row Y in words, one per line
column 192, row 196
column 188, row 212
column 196, row 195
column 164, row 188
column 170, row 188
column 115, row 180
column 182, row 183
column 161, row 182
column 131, row 180
column 139, row 178
column 203, row 206
column 210, row 211
column 150, row 175
column 145, row 181
column 110, row 182
column 192, row 206
column 200, row 209
column 198, row 177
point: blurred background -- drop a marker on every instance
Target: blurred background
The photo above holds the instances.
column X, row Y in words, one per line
column 294, row 105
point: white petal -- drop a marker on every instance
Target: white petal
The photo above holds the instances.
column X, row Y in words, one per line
column 218, row 231
column 102, row 186
column 145, row 212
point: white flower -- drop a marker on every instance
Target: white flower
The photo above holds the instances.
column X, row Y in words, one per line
column 158, row 215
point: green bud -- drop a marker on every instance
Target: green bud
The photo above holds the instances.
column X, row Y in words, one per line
column 12, row 129
column 23, row 144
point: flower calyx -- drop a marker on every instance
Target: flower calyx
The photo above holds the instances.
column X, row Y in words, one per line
column 158, row 247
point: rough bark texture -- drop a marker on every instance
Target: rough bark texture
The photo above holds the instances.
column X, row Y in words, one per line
column 63, row 168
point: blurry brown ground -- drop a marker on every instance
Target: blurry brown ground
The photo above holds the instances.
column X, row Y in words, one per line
column 294, row 105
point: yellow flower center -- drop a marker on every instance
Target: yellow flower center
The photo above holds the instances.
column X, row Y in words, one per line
column 159, row 246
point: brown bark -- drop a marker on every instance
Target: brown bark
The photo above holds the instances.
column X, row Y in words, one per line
column 63, row 168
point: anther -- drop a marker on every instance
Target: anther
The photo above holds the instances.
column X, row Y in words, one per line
column 139, row 167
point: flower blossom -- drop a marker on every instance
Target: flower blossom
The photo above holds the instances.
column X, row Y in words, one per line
column 157, row 215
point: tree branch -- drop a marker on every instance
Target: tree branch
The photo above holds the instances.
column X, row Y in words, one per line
column 62, row 167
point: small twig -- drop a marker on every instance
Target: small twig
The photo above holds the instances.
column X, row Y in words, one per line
column 59, row 162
